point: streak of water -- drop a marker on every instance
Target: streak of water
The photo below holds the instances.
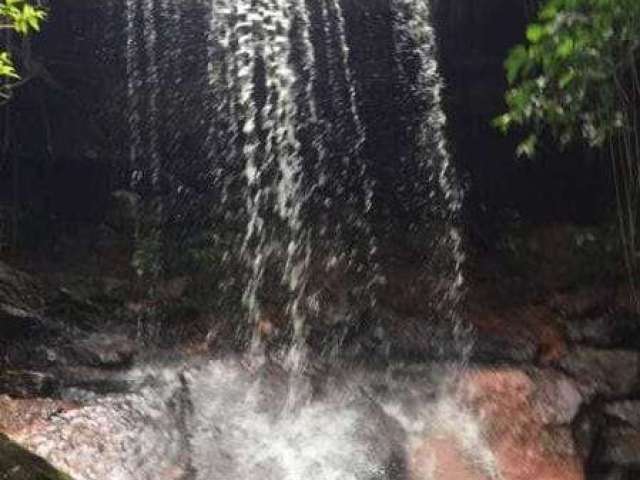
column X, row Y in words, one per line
column 283, row 147
column 221, row 137
column 150, row 34
column 255, row 249
column 133, row 89
column 414, row 34
column 346, row 133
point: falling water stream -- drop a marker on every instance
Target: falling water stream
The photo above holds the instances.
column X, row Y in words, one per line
column 285, row 145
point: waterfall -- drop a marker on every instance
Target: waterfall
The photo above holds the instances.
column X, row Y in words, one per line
column 287, row 150
column 414, row 35
column 341, row 118
column 145, row 156
column 221, row 137
column 255, row 249
column 268, row 103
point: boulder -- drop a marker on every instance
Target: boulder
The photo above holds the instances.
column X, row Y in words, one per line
column 507, row 424
column 443, row 459
column 581, row 302
column 627, row 412
column 620, row 447
column 614, row 330
column 587, row 427
column 611, row 373
column 526, row 422
column 620, row 440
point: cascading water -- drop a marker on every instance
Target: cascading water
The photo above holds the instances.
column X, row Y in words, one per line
column 288, row 112
column 414, row 35
column 143, row 89
column 267, row 86
column 294, row 191
column 150, row 34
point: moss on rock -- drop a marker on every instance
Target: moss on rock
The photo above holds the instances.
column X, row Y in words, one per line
column 16, row 463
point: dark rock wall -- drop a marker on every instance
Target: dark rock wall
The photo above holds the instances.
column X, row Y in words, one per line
column 56, row 143
column 67, row 139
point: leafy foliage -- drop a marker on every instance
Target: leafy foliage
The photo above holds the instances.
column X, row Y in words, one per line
column 22, row 18
column 571, row 78
column 577, row 78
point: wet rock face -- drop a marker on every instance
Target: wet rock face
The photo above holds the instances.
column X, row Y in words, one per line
column 103, row 350
column 443, row 459
column 22, row 302
column 18, row 415
column 616, row 331
column 619, row 436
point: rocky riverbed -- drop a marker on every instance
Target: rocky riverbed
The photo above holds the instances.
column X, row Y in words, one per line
column 551, row 390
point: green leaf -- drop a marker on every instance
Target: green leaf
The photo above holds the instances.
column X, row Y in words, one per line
column 503, row 122
column 516, row 60
column 549, row 12
column 567, row 78
column 528, row 147
column 566, row 47
column 535, row 32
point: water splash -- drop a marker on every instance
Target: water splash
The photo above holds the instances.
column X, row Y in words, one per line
column 216, row 419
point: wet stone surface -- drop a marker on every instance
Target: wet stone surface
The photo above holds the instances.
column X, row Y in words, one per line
column 220, row 419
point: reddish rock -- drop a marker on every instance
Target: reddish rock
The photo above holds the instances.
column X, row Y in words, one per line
column 22, row 415
column 524, row 430
column 516, row 411
column 442, row 459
